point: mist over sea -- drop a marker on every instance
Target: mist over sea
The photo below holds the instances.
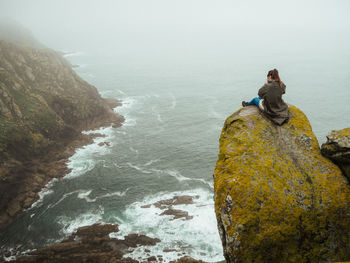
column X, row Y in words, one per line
column 180, row 69
column 174, row 109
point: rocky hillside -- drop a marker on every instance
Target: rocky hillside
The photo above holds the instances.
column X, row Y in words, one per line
column 277, row 199
column 44, row 105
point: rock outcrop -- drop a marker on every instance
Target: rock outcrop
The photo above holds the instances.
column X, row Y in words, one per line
column 337, row 148
column 277, row 199
column 90, row 244
column 44, row 106
column 94, row 244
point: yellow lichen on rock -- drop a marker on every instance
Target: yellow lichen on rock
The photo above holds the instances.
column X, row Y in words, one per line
column 276, row 198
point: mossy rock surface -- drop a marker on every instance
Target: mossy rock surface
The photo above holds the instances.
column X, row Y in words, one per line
column 277, row 199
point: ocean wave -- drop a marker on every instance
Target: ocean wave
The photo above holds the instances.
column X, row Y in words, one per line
column 121, row 92
column 69, row 225
column 138, row 168
column 173, row 101
column 197, row 237
column 85, row 195
column 44, row 192
column 156, row 113
column 84, row 159
column 176, row 174
column 124, row 110
column 151, row 162
column 134, row 150
column 73, row 54
column 115, row 164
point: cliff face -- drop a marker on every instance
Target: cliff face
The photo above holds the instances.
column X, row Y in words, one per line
column 44, row 105
column 41, row 99
column 277, row 199
column 337, row 148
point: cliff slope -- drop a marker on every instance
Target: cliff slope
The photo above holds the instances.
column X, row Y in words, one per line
column 277, row 199
column 337, row 149
column 44, row 105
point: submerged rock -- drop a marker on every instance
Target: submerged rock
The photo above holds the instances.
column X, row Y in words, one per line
column 337, row 148
column 277, row 199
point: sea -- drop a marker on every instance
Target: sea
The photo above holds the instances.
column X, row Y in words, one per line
column 174, row 109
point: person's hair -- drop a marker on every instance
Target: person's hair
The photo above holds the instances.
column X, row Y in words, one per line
column 273, row 73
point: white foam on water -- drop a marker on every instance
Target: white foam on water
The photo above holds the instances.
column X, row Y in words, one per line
column 9, row 258
column 83, row 160
column 44, row 192
column 117, row 165
column 121, row 92
column 176, row 174
column 134, row 150
column 197, row 237
column 70, row 225
column 173, row 101
column 138, row 168
column 124, row 110
column 11, row 252
column 64, row 197
column 14, row 253
column 121, row 132
column 73, row 54
column 85, row 195
column 157, row 114
column 151, row 162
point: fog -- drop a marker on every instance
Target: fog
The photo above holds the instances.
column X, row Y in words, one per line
column 166, row 28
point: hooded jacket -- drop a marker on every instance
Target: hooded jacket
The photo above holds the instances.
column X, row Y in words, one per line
column 274, row 106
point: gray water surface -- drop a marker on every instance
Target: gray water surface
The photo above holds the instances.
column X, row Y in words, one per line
column 168, row 146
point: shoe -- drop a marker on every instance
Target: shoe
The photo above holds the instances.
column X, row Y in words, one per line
column 244, row 103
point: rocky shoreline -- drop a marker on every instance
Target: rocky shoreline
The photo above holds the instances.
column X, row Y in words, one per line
column 95, row 243
column 30, row 177
column 101, row 242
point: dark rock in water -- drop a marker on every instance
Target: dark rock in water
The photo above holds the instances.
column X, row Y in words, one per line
column 176, row 200
column 134, row 240
column 177, row 214
column 187, row 260
column 93, row 244
column 96, row 230
column 90, row 244
column 337, row 149
column 277, row 199
column 104, row 143
column 152, row 259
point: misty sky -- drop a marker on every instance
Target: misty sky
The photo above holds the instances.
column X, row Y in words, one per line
column 177, row 24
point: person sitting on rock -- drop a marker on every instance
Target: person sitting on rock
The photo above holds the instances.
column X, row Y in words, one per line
column 270, row 100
